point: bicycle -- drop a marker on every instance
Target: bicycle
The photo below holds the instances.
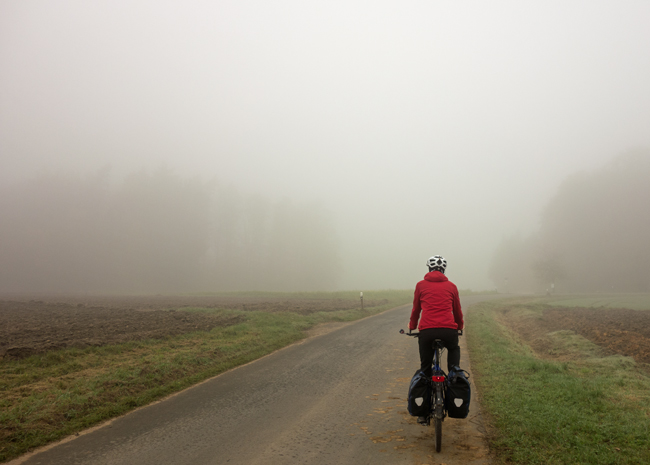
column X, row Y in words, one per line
column 438, row 379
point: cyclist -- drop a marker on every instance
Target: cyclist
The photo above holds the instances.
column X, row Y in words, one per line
column 436, row 298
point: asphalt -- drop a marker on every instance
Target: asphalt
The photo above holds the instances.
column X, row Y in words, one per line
column 336, row 398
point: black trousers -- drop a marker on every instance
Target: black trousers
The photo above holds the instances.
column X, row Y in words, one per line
column 449, row 337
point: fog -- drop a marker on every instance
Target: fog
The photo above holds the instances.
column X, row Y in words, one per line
column 158, row 232
column 593, row 235
column 296, row 145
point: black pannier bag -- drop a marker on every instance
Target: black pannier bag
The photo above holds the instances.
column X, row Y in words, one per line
column 419, row 401
column 458, row 394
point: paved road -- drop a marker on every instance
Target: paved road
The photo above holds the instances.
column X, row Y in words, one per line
column 337, row 398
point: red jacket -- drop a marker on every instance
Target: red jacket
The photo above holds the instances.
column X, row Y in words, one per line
column 437, row 298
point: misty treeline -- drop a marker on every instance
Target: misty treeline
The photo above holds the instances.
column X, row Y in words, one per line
column 159, row 232
column 594, row 235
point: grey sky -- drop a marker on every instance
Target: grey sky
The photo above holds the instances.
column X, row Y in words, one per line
column 426, row 127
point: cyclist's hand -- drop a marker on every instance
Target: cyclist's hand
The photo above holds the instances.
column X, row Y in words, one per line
column 460, row 332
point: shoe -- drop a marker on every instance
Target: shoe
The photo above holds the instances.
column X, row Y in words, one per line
column 423, row 421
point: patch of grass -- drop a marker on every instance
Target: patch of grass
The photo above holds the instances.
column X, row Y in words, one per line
column 591, row 410
column 46, row 397
column 568, row 341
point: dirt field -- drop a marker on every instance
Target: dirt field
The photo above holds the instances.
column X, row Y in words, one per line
column 621, row 331
column 29, row 326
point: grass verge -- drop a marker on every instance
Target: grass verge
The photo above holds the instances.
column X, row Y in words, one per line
column 588, row 409
column 52, row 395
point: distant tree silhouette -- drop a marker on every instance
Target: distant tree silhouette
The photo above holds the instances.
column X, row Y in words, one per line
column 158, row 232
column 594, row 232
column 510, row 268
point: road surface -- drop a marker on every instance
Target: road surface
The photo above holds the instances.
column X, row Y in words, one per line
column 335, row 398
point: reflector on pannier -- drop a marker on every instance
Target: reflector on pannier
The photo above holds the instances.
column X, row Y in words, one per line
column 419, row 400
column 458, row 394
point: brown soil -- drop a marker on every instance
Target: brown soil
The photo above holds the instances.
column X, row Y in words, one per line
column 29, row 326
column 621, row 331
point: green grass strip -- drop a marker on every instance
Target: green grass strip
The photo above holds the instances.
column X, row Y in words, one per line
column 585, row 411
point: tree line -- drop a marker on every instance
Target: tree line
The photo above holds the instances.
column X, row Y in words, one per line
column 159, row 232
column 593, row 236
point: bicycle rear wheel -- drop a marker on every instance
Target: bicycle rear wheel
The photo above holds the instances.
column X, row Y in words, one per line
column 437, row 419
column 438, row 425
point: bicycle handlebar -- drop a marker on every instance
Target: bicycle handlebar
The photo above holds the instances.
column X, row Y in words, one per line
column 401, row 331
column 410, row 333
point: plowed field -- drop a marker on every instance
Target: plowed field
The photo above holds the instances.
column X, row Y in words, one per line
column 30, row 326
column 622, row 331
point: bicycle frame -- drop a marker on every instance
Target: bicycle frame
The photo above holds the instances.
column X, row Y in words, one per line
column 438, row 381
column 438, row 374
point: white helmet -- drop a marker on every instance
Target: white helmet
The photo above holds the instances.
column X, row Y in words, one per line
column 437, row 263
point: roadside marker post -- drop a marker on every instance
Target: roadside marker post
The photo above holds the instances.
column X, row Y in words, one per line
column 361, row 293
